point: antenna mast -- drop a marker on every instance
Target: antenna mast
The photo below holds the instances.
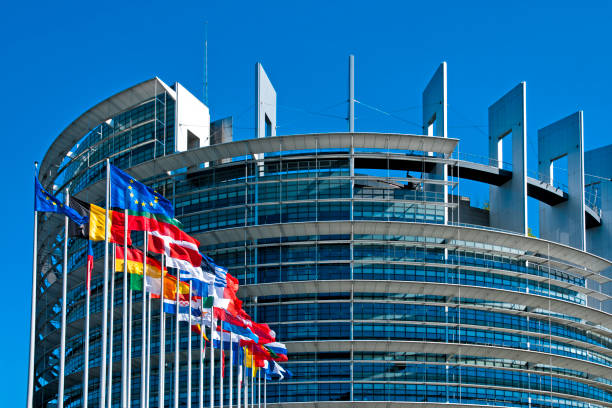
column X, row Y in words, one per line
column 206, row 63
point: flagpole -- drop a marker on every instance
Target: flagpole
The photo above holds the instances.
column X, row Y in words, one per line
column 124, row 326
column 143, row 351
column 177, row 341
column 149, row 322
column 86, row 346
column 162, row 338
column 258, row 388
column 201, row 376
column 212, row 357
column 109, row 397
column 231, row 373
column 265, row 391
column 129, row 353
column 246, row 386
column 252, row 379
column 105, row 292
column 189, row 354
column 239, row 380
column 60, row 394
column 30, row 402
column 221, row 365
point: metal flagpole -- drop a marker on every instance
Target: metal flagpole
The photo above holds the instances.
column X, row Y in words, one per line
column 176, row 341
column 86, row 347
column 105, row 291
column 124, row 329
column 201, row 376
column 252, row 380
column 246, row 387
column 143, row 351
column 221, row 365
column 149, row 321
column 239, row 381
column 162, row 338
column 265, row 391
column 212, row 357
column 189, row 353
column 258, row 388
column 109, row 395
column 231, row 371
column 60, row 394
column 30, row 402
column 129, row 351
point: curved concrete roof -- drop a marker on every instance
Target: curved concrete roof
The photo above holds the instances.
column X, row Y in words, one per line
column 479, row 350
column 93, row 117
column 535, row 246
column 595, row 316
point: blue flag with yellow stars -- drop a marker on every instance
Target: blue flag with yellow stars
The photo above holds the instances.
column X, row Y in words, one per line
column 45, row 202
column 127, row 193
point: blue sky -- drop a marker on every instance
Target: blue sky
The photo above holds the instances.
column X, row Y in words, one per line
column 61, row 58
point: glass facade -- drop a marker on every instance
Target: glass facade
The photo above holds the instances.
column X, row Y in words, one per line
column 367, row 316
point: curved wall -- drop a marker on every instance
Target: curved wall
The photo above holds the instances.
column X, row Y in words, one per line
column 347, row 255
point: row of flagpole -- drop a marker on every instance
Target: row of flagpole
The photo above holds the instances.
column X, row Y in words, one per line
column 106, row 361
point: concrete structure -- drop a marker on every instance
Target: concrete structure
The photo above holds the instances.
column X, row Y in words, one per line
column 508, row 202
column 265, row 104
column 382, row 298
column 564, row 222
column 435, row 123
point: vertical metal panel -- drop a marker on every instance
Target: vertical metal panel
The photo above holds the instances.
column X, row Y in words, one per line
column 564, row 223
column 435, row 108
column 508, row 202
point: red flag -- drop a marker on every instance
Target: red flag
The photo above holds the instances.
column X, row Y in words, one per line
column 183, row 250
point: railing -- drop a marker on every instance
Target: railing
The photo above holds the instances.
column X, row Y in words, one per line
column 484, row 160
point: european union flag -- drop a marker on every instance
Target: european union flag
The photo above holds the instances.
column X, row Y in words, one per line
column 127, row 193
column 45, row 202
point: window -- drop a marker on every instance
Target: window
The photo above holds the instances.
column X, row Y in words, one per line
column 504, row 151
column 268, row 126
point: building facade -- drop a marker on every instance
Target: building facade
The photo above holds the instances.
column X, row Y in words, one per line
column 388, row 288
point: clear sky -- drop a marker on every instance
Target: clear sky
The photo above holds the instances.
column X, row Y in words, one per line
column 58, row 59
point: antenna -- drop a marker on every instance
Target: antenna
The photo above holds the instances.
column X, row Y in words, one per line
column 206, row 63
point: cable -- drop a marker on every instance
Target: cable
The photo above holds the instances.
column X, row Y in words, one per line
column 388, row 114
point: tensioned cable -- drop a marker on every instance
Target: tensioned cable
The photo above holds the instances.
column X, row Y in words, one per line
column 374, row 108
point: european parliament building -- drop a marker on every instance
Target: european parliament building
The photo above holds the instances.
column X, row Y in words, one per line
column 388, row 287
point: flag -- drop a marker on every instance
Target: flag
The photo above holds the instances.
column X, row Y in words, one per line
column 93, row 223
column 277, row 350
column 127, row 193
column 274, row 370
column 97, row 225
column 249, row 361
column 232, row 324
column 45, row 202
column 90, row 264
column 185, row 250
column 225, row 285
column 79, row 230
column 135, row 269
column 263, row 331
column 184, row 308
